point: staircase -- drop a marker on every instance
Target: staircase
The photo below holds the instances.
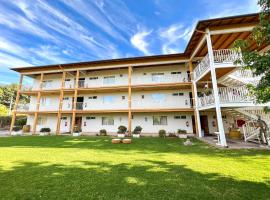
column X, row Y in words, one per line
column 239, row 77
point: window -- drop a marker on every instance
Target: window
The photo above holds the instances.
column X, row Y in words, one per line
column 159, row 120
column 66, row 98
column 42, row 120
column 183, row 117
column 108, row 99
column 63, row 118
column 145, row 119
column 93, row 78
column 157, row 77
column 177, row 117
column 121, row 75
column 107, row 121
column 175, row 72
column 178, row 94
column 143, row 96
column 92, row 97
column 68, row 79
column 88, row 118
column 144, row 73
column 109, row 80
column 123, row 97
column 45, row 101
column 158, row 97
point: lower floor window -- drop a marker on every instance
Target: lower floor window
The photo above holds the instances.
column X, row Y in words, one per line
column 42, row 120
column 160, row 120
column 107, row 121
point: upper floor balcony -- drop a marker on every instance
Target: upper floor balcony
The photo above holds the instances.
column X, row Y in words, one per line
column 228, row 96
column 223, row 58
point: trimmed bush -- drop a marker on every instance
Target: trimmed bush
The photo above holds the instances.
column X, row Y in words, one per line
column 181, row 131
column 137, row 130
column 122, row 129
column 16, row 128
column 162, row 133
column 45, row 130
column 103, row 132
column 6, row 121
column 172, row 135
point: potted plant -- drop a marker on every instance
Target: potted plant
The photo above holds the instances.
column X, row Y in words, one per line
column 44, row 131
column 182, row 133
column 103, row 132
column 137, row 131
column 121, row 131
column 16, row 130
column 162, row 133
column 76, row 131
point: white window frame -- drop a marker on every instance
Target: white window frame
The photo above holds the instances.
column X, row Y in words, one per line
column 108, row 80
column 107, row 121
column 160, row 120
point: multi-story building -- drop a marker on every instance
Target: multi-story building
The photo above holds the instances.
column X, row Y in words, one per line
column 154, row 92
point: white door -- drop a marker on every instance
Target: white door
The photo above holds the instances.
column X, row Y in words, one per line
column 65, row 124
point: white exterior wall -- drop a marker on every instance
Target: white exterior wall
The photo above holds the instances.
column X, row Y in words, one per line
column 169, row 100
column 144, row 75
column 51, row 122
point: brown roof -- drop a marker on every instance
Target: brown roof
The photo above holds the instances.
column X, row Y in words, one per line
column 195, row 38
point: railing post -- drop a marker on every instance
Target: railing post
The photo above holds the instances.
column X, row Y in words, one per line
column 59, row 114
column 215, row 89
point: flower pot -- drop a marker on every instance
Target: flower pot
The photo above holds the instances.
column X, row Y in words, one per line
column 182, row 136
column 76, row 134
column 14, row 133
column 120, row 135
column 136, row 135
column 116, row 141
column 126, row 141
column 43, row 133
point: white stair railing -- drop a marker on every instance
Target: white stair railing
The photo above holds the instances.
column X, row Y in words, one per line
column 202, row 67
column 234, row 95
column 251, row 131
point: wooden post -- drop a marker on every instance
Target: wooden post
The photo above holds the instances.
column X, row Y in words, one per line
column 38, row 104
column 129, row 100
column 75, row 101
column 59, row 115
column 194, row 100
column 16, row 104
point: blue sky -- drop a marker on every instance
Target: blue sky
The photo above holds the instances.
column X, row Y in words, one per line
column 39, row 32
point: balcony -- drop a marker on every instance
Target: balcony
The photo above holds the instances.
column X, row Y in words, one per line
column 222, row 58
column 102, row 106
column 27, row 88
column 23, row 107
column 229, row 97
column 101, row 83
column 161, row 79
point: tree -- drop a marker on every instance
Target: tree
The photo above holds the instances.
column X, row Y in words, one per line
column 3, row 110
column 258, row 62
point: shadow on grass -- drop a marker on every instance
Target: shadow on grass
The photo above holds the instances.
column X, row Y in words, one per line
column 142, row 145
column 101, row 180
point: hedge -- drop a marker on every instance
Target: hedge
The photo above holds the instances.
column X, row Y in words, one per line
column 6, row 120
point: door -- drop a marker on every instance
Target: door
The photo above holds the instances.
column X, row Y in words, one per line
column 204, row 124
column 78, row 122
column 79, row 105
column 65, row 124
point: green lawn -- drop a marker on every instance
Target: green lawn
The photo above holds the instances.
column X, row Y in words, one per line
column 150, row 168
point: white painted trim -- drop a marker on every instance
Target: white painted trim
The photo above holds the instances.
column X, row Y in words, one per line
column 198, row 47
column 231, row 30
column 196, row 109
column 108, row 67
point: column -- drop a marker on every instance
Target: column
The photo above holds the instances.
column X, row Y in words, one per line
column 195, row 98
column 75, row 101
column 215, row 89
column 16, row 104
column 38, row 104
column 129, row 100
column 59, row 115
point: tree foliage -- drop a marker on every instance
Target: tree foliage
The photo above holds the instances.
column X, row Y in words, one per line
column 258, row 62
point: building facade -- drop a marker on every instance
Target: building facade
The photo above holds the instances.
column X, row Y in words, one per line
column 201, row 90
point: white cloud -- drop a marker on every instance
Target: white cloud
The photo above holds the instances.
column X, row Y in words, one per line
column 172, row 37
column 139, row 41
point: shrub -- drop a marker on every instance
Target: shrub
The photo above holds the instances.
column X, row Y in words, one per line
column 103, row 132
column 172, row 135
column 77, row 129
column 16, row 128
column 122, row 129
column 45, row 130
column 181, row 131
column 137, row 130
column 20, row 121
column 162, row 133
